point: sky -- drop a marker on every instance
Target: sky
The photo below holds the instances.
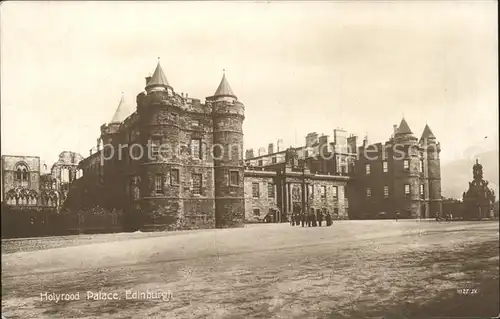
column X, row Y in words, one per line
column 298, row 67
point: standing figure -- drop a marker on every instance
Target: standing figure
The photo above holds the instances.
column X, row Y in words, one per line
column 397, row 215
column 320, row 218
column 292, row 219
column 328, row 219
column 303, row 219
column 313, row 217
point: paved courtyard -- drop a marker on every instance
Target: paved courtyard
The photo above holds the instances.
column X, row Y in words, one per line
column 353, row 269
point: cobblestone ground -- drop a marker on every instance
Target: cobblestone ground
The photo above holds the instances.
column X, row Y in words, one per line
column 353, row 269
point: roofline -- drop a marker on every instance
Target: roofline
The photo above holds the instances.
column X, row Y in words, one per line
column 20, row 156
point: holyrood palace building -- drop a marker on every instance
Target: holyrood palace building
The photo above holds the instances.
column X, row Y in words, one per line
column 177, row 162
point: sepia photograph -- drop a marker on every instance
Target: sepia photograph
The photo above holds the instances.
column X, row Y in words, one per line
column 249, row 159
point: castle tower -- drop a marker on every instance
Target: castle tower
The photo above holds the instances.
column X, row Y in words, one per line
column 406, row 162
column 160, row 206
column 158, row 81
column 228, row 116
column 431, row 174
column 110, row 158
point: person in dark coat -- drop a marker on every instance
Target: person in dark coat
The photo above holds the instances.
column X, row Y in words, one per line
column 328, row 219
column 320, row 218
column 397, row 215
column 292, row 219
column 313, row 217
column 303, row 219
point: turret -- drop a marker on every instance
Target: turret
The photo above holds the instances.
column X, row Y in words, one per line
column 431, row 165
column 228, row 116
column 121, row 113
column 403, row 133
column 158, row 81
column 406, row 163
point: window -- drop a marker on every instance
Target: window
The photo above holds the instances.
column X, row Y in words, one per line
column 385, row 167
column 406, row 164
column 22, row 173
column 155, row 143
column 195, row 122
column 270, row 190
column 260, row 162
column 336, row 211
column 274, row 160
column 323, row 192
column 255, row 190
column 196, row 179
column 422, row 191
column 234, row 178
column 368, row 192
column 196, row 148
column 256, row 212
column 407, row 189
column 159, row 184
column 421, row 166
column 386, row 191
column 335, row 192
column 174, row 176
column 307, row 154
column 367, row 169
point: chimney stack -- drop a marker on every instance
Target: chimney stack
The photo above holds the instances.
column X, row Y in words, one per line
column 365, row 141
column 279, row 145
column 249, row 154
column 270, row 148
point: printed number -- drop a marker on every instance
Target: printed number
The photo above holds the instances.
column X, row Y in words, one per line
column 467, row 291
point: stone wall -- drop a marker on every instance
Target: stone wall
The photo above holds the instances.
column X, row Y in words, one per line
column 18, row 221
column 256, row 209
column 338, row 206
column 9, row 166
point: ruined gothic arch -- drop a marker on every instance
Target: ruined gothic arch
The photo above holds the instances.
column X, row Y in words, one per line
column 21, row 196
column 21, row 171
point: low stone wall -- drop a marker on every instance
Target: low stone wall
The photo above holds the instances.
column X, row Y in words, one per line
column 39, row 221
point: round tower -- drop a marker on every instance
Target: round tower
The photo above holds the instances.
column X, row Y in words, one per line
column 110, row 142
column 432, row 172
column 159, row 202
column 228, row 116
column 406, row 171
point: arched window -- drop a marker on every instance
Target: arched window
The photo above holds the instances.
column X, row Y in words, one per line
column 21, row 172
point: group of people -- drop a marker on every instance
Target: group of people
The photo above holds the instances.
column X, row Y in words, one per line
column 310, row 220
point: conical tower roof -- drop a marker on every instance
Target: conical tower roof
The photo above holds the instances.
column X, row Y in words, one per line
column 224, row 88
column 121, row 113
column 158, row 78
column 427, row 133
column 404, row 128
